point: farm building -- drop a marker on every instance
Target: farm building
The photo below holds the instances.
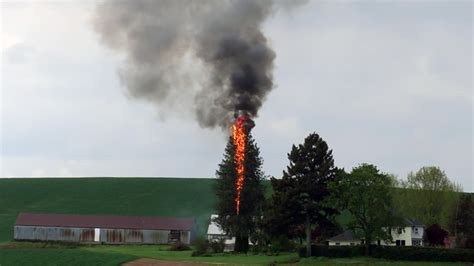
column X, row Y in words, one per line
column 215, row 233
column 103, row 229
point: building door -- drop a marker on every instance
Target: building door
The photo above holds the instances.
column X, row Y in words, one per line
column 96, row 235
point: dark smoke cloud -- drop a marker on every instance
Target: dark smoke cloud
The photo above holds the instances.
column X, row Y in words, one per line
column 210, row 56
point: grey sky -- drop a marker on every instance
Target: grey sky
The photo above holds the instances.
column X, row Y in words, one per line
column 388, row 83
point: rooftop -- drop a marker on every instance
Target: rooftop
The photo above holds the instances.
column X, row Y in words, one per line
column 345, row 236
column 102, row 221
column 213, row 228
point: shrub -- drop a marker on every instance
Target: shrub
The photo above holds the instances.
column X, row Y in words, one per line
column 281, row 244
column 435, row 235
column 218, row 246
column 178, row 246
column 201, row 247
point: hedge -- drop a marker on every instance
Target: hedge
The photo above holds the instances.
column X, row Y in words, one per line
column 393, row 253
column 423, row 254
column 334, row 251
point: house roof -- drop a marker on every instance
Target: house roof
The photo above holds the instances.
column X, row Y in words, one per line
column 345, row 236
column 101, row 221
column 213, row 228
column 413, row 222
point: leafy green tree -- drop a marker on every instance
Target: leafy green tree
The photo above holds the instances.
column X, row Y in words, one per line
column 366, row 194
column 299, row 196
column 428, row 195
column 241, row 226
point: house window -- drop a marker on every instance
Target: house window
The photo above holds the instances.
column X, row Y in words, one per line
column 403, row 243
column 416, row 242
column 337, row 243
column 397, row 243
column 416, row 230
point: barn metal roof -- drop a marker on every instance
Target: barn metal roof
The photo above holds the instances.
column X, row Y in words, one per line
column 101, row 221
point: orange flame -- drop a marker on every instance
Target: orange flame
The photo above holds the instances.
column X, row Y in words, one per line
column 239, row 138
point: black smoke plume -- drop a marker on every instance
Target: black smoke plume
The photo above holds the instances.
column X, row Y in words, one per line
column 208, row 56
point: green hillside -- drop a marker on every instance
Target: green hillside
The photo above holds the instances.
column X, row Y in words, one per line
column 183, row 197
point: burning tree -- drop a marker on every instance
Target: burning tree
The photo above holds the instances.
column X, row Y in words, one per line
column 239, row 190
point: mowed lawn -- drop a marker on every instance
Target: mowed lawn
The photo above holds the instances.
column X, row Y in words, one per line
column 178, row 197
column 34, row 254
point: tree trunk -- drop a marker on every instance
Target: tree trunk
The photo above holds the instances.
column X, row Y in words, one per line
column 308, row 236
column 241, row 244
column 368, row 242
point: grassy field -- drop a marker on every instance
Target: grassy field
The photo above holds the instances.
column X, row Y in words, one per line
column 37, row 254
column 182, row 197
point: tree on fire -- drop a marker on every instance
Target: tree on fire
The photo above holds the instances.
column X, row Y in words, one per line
column 299, row 197
column 241, row 226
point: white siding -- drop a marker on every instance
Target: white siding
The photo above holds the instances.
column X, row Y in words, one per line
column 401, row 234
column 417, row 232
column 343, row 243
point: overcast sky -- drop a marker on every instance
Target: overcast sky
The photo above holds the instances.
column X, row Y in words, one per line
column 387, row 83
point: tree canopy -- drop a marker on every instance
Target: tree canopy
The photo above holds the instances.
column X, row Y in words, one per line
column 429, row 196
column 366, row 194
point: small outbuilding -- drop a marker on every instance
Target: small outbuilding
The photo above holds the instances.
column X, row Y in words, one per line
column 215, row 233
column 346, row 238
column 104, row 229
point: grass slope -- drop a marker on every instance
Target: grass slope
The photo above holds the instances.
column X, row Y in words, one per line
column 181, row 197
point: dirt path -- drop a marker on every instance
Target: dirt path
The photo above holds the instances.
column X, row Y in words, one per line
column 153, row 262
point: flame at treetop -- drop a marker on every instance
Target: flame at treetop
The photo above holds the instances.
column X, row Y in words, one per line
column 239, row 137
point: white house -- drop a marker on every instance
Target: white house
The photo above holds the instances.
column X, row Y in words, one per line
column 409, row 235
column 215, row 233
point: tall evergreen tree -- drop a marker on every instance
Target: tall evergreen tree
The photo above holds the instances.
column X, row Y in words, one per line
column 252, row 196
column 299, row 197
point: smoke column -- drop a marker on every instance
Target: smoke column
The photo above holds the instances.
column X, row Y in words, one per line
column 208, row 56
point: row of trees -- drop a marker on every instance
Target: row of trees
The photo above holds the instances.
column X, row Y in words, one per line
column 313, row 191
